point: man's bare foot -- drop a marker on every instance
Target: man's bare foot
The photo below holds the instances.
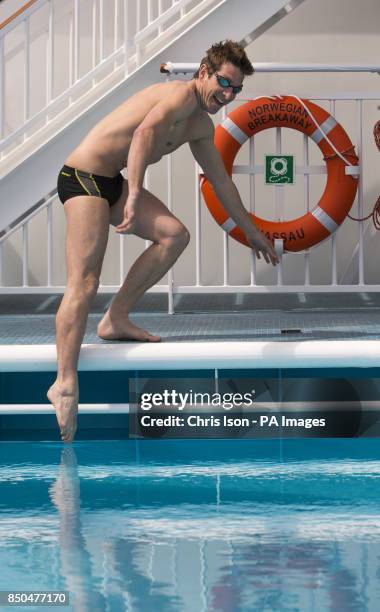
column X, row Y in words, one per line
column 66, row 408
column 112, row 329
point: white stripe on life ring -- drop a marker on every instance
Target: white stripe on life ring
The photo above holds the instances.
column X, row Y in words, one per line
column 235, row 131
column 324, row 128
column 324, row 219
column 228, row 225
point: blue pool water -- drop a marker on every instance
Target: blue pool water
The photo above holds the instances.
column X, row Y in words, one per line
column 245, row 525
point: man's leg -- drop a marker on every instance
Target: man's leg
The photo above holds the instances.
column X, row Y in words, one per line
column 86, row 241
column 169, row 236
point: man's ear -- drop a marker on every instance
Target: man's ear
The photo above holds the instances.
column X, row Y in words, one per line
column 203, row 72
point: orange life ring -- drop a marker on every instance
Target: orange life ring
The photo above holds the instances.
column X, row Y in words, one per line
column 305, row 116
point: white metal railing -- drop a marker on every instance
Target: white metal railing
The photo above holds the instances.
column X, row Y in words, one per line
column 23, row 226
column 190, row 67
column 252, row 169
column 306, row 170
column 138, row 29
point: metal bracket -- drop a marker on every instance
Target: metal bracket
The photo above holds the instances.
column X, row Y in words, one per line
column 352, row 171
column 279, row 246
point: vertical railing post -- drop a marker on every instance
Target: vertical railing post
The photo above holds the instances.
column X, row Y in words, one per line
column 160, row 11
column 169, row 167
column 50, row 58
column 225, row 234
column 76, row 41
column 146, row 185
column 115, row 29
column 334, row 271
column 225, row 259
column 307, row 201
column 150, row 11
column 93, row 29
column 25, row 254
column 252, row 202
column 138, row 28
column 101, row 30
column 71, row 53
column 26, row 71
column 198, row 235
column 279, row 206
column 121, row 258
column 360, row 191
column 49, row 219
column 126, row 38
column 138, row 17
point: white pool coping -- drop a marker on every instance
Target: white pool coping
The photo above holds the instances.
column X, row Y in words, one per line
column 198, row 355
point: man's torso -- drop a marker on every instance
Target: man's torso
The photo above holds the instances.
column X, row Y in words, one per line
column 105, row 148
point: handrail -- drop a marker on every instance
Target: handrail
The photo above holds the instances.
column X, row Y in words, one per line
column 185, row 68
column 17, row 13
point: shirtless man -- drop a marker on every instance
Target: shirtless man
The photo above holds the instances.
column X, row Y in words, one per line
column 150, row 124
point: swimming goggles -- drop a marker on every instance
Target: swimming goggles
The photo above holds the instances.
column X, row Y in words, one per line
column 224, row 82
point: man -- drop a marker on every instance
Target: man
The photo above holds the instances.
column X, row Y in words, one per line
column 150, row 124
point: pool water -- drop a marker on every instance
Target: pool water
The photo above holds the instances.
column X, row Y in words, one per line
column 244, row 525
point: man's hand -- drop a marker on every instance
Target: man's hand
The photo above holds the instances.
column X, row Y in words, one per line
column 261, row 244
column 128, row 224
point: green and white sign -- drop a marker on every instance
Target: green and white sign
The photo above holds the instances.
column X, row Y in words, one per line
column 279, row 169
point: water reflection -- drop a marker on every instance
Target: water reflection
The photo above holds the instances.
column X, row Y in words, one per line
column 130, row 588
column 263, row 538
column 76, row 565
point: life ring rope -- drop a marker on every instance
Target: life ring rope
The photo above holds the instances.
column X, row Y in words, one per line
column 375, row 214
column 345, row 152
column 322, row 130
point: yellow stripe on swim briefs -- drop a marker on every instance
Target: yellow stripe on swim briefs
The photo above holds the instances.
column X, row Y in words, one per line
column 97, row 188
column 84, row 186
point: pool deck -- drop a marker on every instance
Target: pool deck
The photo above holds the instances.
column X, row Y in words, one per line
column 221, row 331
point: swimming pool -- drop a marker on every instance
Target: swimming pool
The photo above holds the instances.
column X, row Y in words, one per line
column 229, row 525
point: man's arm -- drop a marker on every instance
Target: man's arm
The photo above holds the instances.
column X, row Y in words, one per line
column 153, row 130
column 209, row 159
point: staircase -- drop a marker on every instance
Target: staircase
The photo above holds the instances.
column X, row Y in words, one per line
column 145, row 34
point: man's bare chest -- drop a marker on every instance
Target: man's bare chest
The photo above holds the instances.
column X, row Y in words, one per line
column 175, row 137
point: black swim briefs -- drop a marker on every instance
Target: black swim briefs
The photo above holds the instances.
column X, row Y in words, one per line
column 73, row 182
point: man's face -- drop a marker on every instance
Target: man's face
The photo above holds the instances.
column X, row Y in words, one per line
column 217, row 89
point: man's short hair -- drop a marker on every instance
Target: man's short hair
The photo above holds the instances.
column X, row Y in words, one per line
column 222, row 52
